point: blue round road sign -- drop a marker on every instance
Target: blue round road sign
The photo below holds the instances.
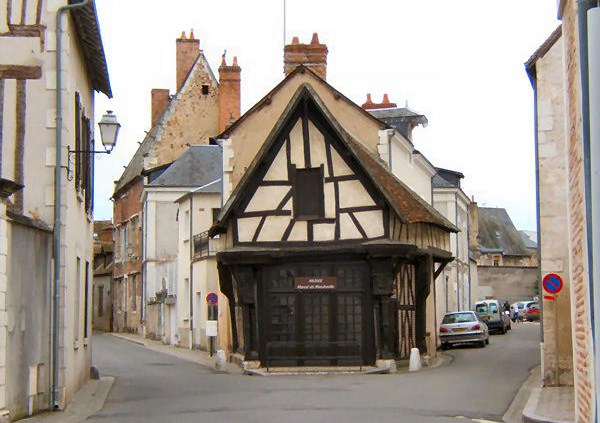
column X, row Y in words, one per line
column 552, row 283
column 212, row 298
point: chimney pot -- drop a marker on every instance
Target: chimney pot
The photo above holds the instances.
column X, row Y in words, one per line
column 313, row 56
column 229, row 93
column 192, row 34
column 386, row 99
column 160, row 98
column 187, row 51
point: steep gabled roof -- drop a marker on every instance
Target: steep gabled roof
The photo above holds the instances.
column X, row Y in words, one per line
column 408, row 206
column 87, row 29
column 198, row 166
column 498, row 234
column 267, row 99
column 136, row 165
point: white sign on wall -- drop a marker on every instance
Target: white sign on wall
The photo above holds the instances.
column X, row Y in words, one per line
column 211, row 328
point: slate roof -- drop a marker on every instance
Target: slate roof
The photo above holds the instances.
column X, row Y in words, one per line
column 498, row 234
column 400, row 118
column 529, row 242
column 87, row 29
column 408, row 206
column 445, row 178
column 199, row 166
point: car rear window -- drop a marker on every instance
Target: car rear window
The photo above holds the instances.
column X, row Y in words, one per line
column 493, row 308
column 481, row 308
column 458, row 318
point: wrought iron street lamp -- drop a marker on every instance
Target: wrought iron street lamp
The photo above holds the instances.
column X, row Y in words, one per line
column 109, row 131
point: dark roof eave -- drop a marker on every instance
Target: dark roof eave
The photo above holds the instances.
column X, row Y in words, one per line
column 87, row 28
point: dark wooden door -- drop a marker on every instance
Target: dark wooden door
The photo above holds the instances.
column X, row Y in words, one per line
column 317, row 328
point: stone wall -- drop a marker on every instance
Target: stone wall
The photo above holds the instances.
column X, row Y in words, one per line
column 507, row 283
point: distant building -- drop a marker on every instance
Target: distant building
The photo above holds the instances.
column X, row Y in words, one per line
column 457, row 288
column 202, row 106
column 102, row 317
column 507, row 268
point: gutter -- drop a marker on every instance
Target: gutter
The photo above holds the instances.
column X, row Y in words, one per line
column 55, row 318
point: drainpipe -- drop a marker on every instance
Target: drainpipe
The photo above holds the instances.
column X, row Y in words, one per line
column 533, row 80
column 57, row 207
column 191, row 271
column 457, row 253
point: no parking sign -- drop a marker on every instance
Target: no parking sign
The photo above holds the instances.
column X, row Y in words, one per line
column 552, row 283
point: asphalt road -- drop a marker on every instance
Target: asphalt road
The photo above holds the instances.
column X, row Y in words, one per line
column 480, row 383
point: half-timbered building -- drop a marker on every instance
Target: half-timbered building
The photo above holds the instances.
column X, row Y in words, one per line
column 327, row 258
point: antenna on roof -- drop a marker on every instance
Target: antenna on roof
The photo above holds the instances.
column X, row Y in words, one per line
column 284, row 1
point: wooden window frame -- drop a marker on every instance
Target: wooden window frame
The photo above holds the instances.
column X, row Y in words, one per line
column 298, row 212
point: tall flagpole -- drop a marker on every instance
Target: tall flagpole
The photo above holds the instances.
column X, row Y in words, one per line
column 284, row 22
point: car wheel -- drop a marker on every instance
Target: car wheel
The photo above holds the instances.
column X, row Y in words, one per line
column 445, row 346
column 487, row 341
column 509, row 328
column 503, row 330
column 482, row 344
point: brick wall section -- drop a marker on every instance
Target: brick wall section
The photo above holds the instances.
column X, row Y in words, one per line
column 160, row 101
column 128, row 206
column 313, row 56
column 580, row 295
column 186, row 52
column 229, row 93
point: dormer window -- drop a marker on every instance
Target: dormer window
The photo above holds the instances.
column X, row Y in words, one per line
column 309, row 201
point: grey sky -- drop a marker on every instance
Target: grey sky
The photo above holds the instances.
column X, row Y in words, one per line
column 458, row 62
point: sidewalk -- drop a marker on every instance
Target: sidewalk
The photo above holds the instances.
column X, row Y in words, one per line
column 534, row 404
column 200, row 357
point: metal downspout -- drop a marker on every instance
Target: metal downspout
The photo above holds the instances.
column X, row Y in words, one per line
column 191, row 272
column 57, row 207
column 538, row 205
column 457, row 253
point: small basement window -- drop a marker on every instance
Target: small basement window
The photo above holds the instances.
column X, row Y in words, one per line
column 309, row 202
column 204, row 89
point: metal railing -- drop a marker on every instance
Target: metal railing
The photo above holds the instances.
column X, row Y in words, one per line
column 204, row 246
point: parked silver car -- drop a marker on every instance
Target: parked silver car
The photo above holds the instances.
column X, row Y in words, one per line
column 463, row 327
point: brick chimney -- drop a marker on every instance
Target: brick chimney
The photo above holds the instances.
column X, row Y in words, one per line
column 385, row 104
column 229, row 93
column 313, row 56
column 160, row 101
column 187, row 50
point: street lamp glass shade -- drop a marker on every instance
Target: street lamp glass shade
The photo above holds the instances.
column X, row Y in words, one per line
column 109, row 130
